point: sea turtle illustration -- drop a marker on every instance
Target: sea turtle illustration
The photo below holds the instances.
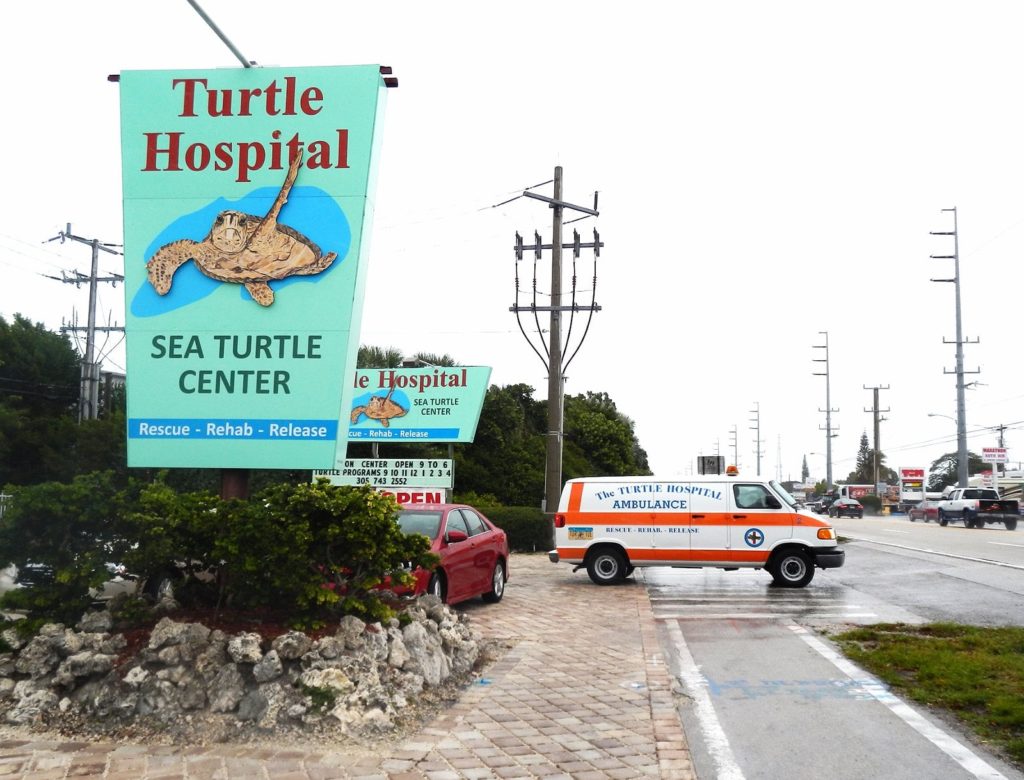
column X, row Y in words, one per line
column 245, row 249
column 380, row 408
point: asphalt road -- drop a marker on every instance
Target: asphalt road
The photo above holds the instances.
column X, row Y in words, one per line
column 766, row 695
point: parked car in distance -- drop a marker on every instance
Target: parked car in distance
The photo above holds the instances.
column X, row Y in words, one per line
column 846, row 507
column 925, row 510
column 473, row 551
column 821, row 506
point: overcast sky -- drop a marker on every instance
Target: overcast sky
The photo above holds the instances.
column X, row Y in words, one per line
column 767, row 172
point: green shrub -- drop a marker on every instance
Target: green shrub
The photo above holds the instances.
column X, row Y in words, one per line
column 871, row 504
column 62, row 534
column 528, row 528
column 307, row 549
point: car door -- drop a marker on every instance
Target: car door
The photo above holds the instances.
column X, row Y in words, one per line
column 458, row 557
column 708, row 506
column 482, row 541
column 757, row 522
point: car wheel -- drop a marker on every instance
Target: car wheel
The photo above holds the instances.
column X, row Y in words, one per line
column 943, row 520
column 436, row 586
column 160, row 585
column 1011, row 525
column 606, row 566
column 792, row 569
column 497, row 584
column 968, row 519
column 911, row 518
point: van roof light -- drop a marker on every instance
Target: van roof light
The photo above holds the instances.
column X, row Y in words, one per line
column 731, row 471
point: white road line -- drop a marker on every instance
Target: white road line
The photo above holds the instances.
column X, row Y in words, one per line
column 717, row 743
column 1007, row 544
column 757, row 615
column 943, row 554
column 876, row 688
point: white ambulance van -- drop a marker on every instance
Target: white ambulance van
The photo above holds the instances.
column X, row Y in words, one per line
column 611, row 525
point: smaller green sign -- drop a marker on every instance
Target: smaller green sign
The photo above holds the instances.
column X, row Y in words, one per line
column 422, row 472
column 435, row 403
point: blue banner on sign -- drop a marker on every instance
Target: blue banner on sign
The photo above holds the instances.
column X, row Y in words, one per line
column 404, row 434
column 277, row 430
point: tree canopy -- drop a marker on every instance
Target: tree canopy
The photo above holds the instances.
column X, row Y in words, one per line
column 943, row 471
column 864, row 471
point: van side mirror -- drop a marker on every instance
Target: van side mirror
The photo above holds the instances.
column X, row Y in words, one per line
column 773, row 503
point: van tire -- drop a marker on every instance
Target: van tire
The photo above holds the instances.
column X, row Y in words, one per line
column 606, row 566
column 791, row 569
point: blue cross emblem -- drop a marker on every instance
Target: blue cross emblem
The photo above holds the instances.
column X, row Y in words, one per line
column 754, row 537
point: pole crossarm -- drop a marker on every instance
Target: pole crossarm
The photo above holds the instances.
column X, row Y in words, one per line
column 558, row 203
column 575, row 307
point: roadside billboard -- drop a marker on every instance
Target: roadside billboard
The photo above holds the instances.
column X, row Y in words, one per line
column 434, row 403
column 247, row 199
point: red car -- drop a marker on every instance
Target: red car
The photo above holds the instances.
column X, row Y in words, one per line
column 473, row 551
column 926, row 510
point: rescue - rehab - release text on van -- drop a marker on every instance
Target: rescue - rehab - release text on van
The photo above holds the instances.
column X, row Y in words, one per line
column 611, row 525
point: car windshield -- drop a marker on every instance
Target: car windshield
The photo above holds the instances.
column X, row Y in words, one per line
column 419, row 522
column 783, row 493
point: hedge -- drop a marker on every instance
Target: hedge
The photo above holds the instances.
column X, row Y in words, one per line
column 528, row 528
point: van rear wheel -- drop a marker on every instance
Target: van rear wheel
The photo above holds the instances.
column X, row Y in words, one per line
column 606, row 567
column 792, row 569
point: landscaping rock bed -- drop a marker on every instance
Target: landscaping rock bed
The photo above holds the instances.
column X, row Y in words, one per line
column 190, row 682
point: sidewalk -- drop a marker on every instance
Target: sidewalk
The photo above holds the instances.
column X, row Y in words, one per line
column 584, row 693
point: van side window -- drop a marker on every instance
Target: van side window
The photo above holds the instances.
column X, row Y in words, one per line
column 750, row 496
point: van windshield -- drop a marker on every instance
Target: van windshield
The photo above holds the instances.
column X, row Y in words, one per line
column 783, row 493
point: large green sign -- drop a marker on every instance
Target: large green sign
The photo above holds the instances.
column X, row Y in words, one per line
column 436, row 403
column 247, row 197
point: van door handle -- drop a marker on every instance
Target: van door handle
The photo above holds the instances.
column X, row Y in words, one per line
column 739, row 517
column 697, row 517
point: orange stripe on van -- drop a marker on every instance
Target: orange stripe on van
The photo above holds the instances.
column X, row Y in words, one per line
column 645, row 555
column 575, row 496
column 678, row 519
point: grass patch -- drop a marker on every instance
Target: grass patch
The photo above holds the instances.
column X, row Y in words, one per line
column 975, row 673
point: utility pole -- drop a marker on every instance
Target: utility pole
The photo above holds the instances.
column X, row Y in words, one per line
column 88, row 399
column 778, row 457
column 756, row 428
column 961, row 404
column 876, row 411
column 828, row 410
column 554, row 359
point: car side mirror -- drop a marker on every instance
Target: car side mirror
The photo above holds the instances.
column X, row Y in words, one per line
column 773, row 503
column 453, row 536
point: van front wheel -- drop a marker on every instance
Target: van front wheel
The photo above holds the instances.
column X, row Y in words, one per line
column 792, row 569
column 606, row 567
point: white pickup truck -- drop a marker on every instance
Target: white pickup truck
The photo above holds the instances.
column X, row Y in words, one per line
column 976, row 507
